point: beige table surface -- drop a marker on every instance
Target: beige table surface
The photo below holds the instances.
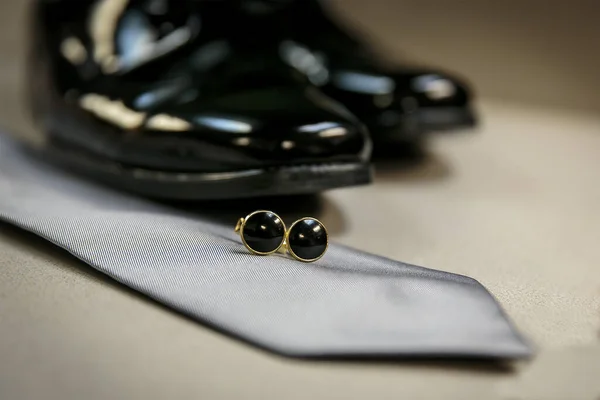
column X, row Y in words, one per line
column 515, row 205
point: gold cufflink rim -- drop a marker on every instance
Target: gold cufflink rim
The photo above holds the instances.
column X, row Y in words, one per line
column 294, row 255
column 284, row 245
column 239, row 228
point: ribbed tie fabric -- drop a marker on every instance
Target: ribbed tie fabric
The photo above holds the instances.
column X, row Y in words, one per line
column 348, row 304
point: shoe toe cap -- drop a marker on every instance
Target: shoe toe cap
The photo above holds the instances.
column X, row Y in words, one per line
column 435, row 89
column 229, row 141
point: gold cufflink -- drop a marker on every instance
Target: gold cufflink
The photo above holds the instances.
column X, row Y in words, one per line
column 264, row 232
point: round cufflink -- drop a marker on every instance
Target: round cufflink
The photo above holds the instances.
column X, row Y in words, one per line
column 307, row 239
column 262, row 232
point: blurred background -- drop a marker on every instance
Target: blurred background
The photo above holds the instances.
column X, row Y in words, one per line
column 536, row 52
column 514, row 205
column 527, row 51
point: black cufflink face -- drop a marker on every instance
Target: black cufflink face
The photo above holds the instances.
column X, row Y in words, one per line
column 262, row 232
column 307, row 240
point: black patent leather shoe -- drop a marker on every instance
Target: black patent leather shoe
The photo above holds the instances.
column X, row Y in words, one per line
column 396, row 102
column 444, row 100
column 161, row 98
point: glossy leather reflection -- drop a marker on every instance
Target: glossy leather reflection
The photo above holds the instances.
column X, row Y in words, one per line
column 168, row 85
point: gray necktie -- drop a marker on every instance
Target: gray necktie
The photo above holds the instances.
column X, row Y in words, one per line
column 349, row 303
